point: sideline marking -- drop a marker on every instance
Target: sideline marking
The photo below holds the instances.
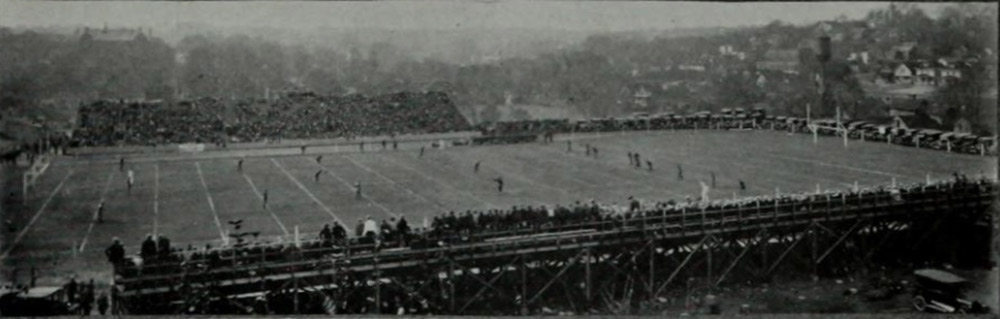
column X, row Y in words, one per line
column 821, row 163
column 211, row 204
column 310, row 194
column 436, row 181
column 35, row 218
column 268, row 209
column 393, row 183
column 348, row 185
column 93, row 220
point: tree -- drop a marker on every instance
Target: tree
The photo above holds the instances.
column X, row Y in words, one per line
column 18, row 93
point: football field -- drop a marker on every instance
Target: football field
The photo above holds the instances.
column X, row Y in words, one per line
column 191, row 198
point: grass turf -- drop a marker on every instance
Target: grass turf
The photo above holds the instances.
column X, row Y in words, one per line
column 191, row 197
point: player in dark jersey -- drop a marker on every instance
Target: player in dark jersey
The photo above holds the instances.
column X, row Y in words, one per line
column 100, row 212
column 499, row 184
column 631, row 159
column 638, row 162
column 395, row 145
column 421, row 151
column 317, row 175
column 680, row 172
column 121, row 164
column 303, row 149
column 476, row 168
column 743, row 186
column 265, row 198
column 319, row 159
column 649, row 165
column 239, row 166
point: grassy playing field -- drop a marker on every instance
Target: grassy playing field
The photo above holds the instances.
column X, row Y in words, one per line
column 191, row 197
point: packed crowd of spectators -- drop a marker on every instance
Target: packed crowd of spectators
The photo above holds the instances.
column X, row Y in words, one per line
column 291, row 116
column 157, row 257
column 111, row 123
column 338, row 242
column 857, row 130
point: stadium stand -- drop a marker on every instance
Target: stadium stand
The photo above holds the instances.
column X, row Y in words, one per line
column 181, row 270
column 856, row 130
column 292, row 116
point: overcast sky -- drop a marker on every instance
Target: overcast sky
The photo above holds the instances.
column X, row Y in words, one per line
column 569, row 15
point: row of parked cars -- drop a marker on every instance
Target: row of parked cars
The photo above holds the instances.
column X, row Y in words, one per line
column 923, row 138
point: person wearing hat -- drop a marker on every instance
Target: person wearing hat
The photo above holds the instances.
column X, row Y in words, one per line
column 115, row 253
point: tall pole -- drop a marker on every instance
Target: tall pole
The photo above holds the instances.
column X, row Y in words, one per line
column 808, row 114
column 524, row 288
column 587, row 274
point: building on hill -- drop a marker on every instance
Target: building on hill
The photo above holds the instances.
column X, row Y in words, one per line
column 917, row 121
column 897, row 72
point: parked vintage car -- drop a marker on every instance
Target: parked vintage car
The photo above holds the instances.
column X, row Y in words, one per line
column 37, row 301
column 944, row 292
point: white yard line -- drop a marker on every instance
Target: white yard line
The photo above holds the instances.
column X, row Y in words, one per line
column 211, row 204
column 93, row 220
column 529, row 181
column 346, row 184
column 850, row 168
column 310, row 194
column 436, row 181
column 393, row 183
column 259, row 195
column 35, row 218
column 627, row 181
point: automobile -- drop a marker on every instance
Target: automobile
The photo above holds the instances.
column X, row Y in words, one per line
column 926, row 136
column 855, row 124
column 943, row 292
column 35, row 301
column 988, row 142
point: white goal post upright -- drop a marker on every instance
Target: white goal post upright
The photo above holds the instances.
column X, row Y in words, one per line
column 31, row 175
column 840, row 126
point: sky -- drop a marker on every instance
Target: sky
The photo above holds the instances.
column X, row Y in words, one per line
column 434, row 15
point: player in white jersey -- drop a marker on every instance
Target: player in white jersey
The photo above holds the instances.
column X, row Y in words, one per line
column 131, row 180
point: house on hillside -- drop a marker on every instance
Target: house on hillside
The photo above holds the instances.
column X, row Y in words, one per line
column 897, row 73
column 917, row 121
column 637, row 95
column 961, row 125
column 924, row 72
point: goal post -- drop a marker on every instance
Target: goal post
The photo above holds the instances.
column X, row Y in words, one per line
column 31, row 175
